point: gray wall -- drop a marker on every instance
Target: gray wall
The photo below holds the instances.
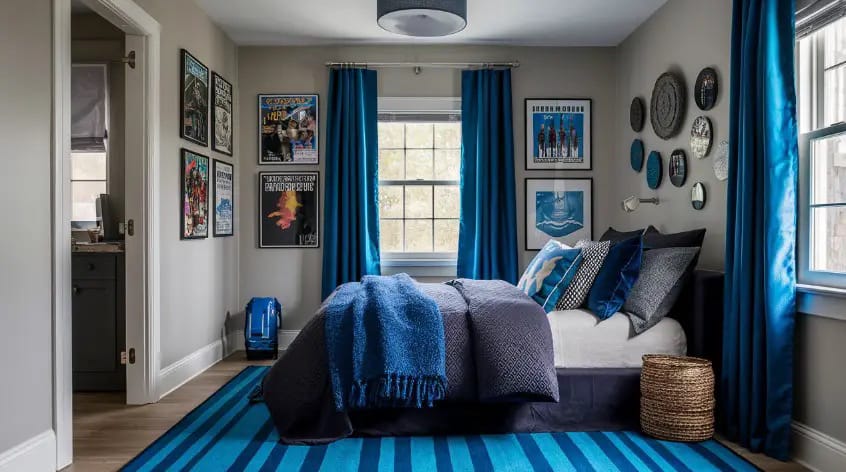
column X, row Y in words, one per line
column 25, row 262
column 294, row 275
column 682, row 36
column 198, row 277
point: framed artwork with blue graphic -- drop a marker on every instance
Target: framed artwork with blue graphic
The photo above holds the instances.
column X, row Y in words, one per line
column 559, row 209
column 558, row 134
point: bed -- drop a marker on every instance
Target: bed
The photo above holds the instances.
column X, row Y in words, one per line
column 597, row 394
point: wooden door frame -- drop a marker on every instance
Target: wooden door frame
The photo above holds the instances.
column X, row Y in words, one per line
column 132, row 19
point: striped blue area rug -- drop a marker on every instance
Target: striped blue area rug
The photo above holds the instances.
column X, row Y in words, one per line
column 226, row 433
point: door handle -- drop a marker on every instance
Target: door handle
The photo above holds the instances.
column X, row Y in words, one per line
column 130, row 227
column 75, row 289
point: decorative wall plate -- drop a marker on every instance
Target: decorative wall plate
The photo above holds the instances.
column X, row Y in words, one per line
column 636, row 157
column 654, row 170
column 678, row 167
column 700, row 137
column 697, row 196
column 636, row 112
column 721, row 161
column 705, row 89
column 666, row 109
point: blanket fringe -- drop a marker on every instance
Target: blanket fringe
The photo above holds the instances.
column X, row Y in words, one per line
column 395, row 390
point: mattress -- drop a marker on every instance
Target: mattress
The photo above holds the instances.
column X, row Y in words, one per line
column 580, row 340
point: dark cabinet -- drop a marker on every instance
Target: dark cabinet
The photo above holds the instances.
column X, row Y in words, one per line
column 99, row 321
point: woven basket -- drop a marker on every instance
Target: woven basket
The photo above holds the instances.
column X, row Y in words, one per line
column 677, row 398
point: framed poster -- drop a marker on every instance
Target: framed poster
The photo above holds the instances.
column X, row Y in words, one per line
column 288, row 209
column 194, row 106
column 560, row 209
column 288, row 129
column 224, row 208
column 194, row 202
column 558, row 134
column 221, row 115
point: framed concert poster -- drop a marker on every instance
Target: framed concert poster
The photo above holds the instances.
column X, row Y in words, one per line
column 288, row 129
column 221, row 115
column 224, row 208
column 558, row 134
column 194, row 98
column 289, row 205
column 193, row 201
column 560, row 209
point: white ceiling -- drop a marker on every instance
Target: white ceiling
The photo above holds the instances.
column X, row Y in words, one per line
column 514, row 22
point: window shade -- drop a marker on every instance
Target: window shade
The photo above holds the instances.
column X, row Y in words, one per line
column 425, row 117
column 88, row 107
column 812, row 15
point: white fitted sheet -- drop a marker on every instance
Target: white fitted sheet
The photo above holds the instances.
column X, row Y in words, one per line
column 580, row 340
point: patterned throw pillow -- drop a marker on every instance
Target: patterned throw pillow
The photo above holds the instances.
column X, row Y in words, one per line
column 550, row 273
column 616, row 278
column 593, row 255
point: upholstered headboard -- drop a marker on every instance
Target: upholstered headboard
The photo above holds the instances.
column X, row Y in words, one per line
column 700, row 312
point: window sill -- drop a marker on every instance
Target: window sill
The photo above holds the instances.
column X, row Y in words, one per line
column 433, row 268
column 818, row 300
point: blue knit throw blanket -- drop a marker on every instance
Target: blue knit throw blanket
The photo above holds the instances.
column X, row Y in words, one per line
column 385, row 344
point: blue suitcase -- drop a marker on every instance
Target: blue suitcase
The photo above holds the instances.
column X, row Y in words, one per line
column 261, row 337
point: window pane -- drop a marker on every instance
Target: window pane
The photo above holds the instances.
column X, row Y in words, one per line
column 448, row 135
column 419, row 164
column 828, row 239
column 390, row 201
column 88, row 166
column 418, row 201
column 447, row 201
column 419, row 135
column 835, row 43
column 83, row 200
column 447, row 164
column 391, row 165
column 446, row 235
column 835, row 95
column 828, row 170
column 390, row 235
column 391, row 135
column 418, row 235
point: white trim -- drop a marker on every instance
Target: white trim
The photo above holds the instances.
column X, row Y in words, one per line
column 821, row 290
column 182, row 371
column 816, row 450
column 36, row 454
column 235, row 340
column 820, row 303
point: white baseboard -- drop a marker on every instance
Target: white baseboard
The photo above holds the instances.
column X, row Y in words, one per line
column 36, row 454
column 235, row 340
column 190, row 366
column 816, row 450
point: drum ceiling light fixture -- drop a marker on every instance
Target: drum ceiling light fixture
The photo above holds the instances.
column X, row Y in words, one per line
column 423, row 18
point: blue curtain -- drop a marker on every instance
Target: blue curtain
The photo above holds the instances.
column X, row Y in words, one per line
column 351, row 206
column 487, row 237
column 760, row 302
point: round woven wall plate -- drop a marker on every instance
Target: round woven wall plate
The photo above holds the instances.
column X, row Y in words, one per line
column 705, row 89
column 678, row 167
column 654, row 170
column 636, row 157
column 700, row 137
column 698, row 196
column 666, row 109
column 636, row 112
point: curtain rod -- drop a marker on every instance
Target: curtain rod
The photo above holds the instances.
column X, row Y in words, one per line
column 440, row 65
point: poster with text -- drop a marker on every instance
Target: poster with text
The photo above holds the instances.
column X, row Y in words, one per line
column 560, row 209
column 223, row 199
column 288, row 209
column 558, row 134
column 194, row 201
column 288, row 129
column 221, row 115
column 195, row 100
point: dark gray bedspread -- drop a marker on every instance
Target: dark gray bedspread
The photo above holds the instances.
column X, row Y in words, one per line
column 498, row 349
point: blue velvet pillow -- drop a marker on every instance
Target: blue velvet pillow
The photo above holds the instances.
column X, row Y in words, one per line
column 550, row 273
column 616, row 278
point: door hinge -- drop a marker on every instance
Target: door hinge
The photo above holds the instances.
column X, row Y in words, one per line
column 132, row 355
column 130, row 227
column 122, row 357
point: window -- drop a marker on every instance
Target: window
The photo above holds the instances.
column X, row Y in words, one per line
column 88, row 181
column 89, row 147
column 419, row 165
column 821, row 80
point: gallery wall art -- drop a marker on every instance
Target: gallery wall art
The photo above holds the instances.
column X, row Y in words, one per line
column 560, row 209
column 194, row 192
column 558, row 134
column 194, row 100
column 288, row 129
column 224, row 208
column 222, row 123
column 289, row 204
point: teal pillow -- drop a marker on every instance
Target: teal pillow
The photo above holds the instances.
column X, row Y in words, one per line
column 615, row 279
column 550, row 273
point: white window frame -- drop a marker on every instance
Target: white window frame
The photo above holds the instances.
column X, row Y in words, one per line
column 425, row 264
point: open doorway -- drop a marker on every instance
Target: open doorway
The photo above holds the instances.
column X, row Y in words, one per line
column 105, row 178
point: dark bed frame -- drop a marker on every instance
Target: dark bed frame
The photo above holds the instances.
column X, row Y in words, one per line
column 591, row 399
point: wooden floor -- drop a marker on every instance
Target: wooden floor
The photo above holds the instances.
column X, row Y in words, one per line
column 108, row 433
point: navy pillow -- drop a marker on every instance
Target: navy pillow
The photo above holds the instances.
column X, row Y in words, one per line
column 615, row 236
column 550, row 273
column 616, row 278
